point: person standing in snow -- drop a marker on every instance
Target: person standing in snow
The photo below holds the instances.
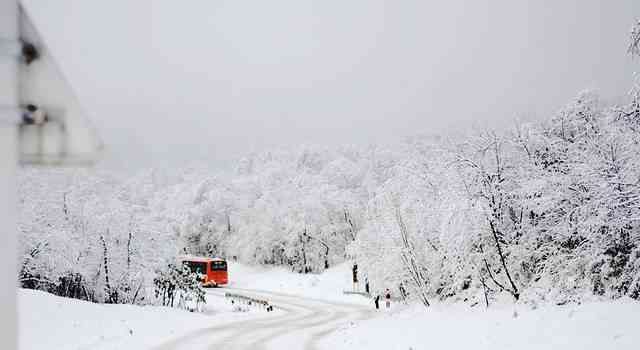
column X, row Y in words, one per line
column 387, row 296
column 366, row 285
column 376, row 300
column 403, row 292
column 355, row 277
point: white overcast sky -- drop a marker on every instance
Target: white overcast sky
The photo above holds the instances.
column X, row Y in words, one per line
column 171, row 82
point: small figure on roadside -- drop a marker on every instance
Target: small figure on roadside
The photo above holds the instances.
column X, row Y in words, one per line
column 387, row 296
column 376, row 300
column 366, row 285
column 355, row 277
column 403, row 292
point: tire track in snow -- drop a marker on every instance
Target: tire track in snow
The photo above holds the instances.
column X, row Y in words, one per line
column 326, row 325
column 248, row 331
column 307, row 320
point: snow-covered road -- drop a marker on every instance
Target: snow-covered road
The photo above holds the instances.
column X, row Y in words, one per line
column 301, row 323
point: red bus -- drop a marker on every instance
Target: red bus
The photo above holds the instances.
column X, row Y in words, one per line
column 213, row 271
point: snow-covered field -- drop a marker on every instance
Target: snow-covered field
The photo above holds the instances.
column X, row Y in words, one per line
column 604, row 325
column 50, row 322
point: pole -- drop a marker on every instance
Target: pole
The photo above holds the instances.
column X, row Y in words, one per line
column 8, row 168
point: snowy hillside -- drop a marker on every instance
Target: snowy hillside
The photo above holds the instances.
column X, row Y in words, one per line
column 51, row 322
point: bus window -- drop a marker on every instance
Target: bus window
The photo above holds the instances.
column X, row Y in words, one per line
column 218, row 266
column 197, row 267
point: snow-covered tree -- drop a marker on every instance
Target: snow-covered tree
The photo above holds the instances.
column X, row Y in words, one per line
column 634, row 45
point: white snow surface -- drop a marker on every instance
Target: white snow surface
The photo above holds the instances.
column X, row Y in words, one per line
column 598, row 325
column 47, row 321
column 50, row 322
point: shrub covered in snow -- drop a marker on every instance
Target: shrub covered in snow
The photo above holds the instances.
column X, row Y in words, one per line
column 178, row 287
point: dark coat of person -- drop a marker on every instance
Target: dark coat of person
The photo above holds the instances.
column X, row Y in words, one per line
column 355, row 273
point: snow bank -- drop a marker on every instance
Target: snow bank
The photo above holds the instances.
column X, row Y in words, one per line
column 603, row 325
column 50, row 322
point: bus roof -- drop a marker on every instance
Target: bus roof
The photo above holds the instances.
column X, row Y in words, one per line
column 200, row 258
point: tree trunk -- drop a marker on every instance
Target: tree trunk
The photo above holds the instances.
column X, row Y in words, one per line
column 411, row 262
column 129, row 239
column 514, row 289
column 107, row 286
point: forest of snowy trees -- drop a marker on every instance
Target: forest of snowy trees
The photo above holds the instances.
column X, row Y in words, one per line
column 540, row 212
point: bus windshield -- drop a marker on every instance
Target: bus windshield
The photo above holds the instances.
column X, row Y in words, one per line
column 218, row 266
column 197, row 267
